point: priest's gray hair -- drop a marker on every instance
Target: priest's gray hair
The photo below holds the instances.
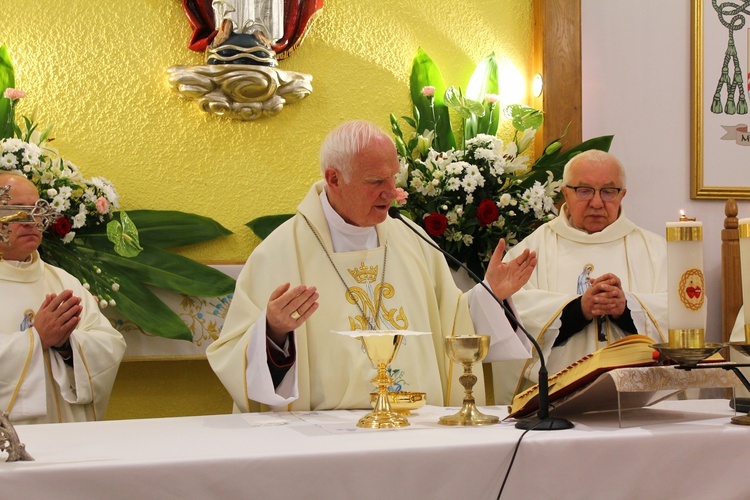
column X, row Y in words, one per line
column 346, row 141
column 597, row 158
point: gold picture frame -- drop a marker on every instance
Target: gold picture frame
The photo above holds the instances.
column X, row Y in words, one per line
column 720, row 164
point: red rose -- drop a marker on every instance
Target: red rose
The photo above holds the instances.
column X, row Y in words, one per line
column 436, row 224
column 61, row 227
column 487, row 212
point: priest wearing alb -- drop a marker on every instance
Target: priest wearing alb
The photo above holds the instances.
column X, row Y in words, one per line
column 58, row 353
column 598, row 279
column 342, row 264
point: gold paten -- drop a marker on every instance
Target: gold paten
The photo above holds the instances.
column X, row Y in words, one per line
column 381, row 349
column 402, row 402
column 468, row 350
column 239, row 91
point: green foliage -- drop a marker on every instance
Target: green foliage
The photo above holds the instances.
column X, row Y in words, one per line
column 7, row 80
column 265, row 225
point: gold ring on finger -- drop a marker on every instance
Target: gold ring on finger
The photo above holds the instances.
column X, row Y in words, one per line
column 295, row 314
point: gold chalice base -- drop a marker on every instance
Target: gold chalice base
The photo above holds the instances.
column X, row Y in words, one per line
column 741, row 420
column 402, row 403
column 688, row 356
column 743, row 347
column 469, row 415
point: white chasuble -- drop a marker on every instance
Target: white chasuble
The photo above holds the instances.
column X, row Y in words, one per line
column 567, row 259
column 36, row 385
column 405, row 281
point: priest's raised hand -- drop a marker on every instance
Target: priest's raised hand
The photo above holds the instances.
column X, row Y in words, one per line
column 506, row 278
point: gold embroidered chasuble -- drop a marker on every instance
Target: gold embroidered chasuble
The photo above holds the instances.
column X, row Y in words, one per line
column 333, row 372
column 567, row 258
column 37, row 386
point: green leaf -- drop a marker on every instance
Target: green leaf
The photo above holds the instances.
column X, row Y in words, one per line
column 556, row 161
column 7, row 80
column 484, row 81
column 263, row 226
column 464, row 106
column 164, row 269
column 124, row 235
column 524, row 117
column 142, row 307
column 425, row 73
column 170, row 228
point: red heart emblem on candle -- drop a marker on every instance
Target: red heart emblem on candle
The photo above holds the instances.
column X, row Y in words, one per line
column 693, row 292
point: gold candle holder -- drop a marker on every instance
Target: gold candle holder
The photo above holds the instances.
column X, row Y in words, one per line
column 468, row 350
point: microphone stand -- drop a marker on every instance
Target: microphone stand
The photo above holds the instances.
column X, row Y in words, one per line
column 542, row 421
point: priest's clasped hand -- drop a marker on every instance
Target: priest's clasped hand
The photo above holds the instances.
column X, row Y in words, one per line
column 57, row 317
column 506, row 278
column 605, row 297
column 288, row 308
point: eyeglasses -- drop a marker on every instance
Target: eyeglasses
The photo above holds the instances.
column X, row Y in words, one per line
column 586, row 193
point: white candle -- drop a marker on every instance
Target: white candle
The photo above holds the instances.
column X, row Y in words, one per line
column 744, row 229
column 686, row 284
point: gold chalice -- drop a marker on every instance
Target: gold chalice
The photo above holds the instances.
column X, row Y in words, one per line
column 381, row 349
column 468, row 350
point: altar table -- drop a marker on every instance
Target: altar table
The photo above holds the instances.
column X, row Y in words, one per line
column 676, row 449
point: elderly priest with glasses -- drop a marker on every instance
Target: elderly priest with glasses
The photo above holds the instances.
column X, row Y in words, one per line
column 599, row 277
column 342, row 264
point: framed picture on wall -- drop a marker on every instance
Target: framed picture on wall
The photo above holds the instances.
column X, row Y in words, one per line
column 720, row 156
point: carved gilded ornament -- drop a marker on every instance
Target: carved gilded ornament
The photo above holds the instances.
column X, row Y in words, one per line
column 242, row 40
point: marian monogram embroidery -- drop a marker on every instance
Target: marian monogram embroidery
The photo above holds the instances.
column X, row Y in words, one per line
column 367, row 296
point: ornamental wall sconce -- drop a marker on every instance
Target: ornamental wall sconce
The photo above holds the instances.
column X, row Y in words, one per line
column 242, row 41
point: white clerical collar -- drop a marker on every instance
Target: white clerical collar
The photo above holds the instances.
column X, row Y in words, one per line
column 563, row 226
column 346, row 237
column 21, row 264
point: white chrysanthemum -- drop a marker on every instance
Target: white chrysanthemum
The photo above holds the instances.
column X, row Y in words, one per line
column 79, row 220
column 469, row 198
column 469, row 183
column 65, row 191
column 60, row 204
column 452, row 184
column 89, row 196
column 8, row 161
column 12, row 145
column 69, row 237
column 485, row 154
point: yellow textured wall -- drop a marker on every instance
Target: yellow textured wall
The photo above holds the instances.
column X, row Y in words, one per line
column 97, row 71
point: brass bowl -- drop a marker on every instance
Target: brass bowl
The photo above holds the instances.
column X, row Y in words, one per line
column 688, row 356
column 743, row 347
column 402, row 402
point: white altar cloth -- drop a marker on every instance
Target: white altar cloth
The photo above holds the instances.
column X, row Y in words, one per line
column 677, row 449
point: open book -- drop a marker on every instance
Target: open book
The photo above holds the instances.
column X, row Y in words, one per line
column 633, row 350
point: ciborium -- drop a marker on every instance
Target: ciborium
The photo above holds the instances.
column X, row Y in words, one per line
column 381, row 349
column 468, row 350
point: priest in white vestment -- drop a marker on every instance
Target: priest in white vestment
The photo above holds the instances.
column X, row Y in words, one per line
column 58, row 354
column 599, row 277
column 344, row 265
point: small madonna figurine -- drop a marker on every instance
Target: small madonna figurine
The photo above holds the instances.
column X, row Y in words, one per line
column 248, row 31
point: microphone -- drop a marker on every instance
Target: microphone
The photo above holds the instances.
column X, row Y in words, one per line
column 542, row 421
